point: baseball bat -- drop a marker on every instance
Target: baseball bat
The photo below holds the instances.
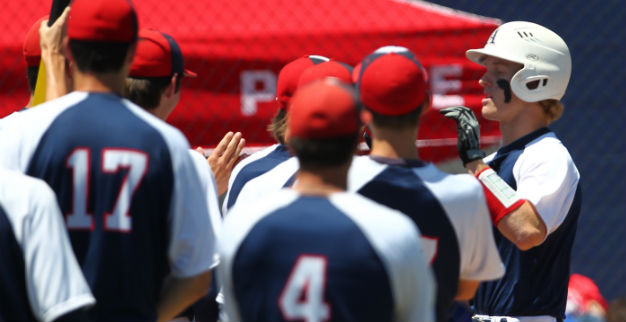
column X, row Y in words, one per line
column 39, row 95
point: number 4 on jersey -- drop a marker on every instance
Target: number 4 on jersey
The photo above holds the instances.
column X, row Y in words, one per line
column 302, row 297
column 112, row 161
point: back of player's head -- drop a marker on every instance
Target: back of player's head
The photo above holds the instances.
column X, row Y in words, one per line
column 32, row 53
column 331, row 68
column 392, row 83
column 157, row 55
column 157, row 58
column 100, row 34
column 324, row 123
column 289, row 76
column 286, row 86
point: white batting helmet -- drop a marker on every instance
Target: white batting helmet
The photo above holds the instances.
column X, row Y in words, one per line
column 545, row 56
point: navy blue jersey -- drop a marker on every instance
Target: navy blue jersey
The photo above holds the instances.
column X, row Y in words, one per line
column 541, row 170
column 40, row 279
column 252, row 167
column 121, row 178
column 310, row 258
column 449, row 211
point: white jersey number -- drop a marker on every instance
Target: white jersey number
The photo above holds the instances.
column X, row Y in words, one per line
column 112, row 161
column 302, row 297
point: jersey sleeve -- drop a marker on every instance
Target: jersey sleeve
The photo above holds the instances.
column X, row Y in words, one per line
column 463, row 200
column 547, row 177
column 480, row 260
column 207, row 181
column 396, row 239
column 55, row 282
column 192, row 239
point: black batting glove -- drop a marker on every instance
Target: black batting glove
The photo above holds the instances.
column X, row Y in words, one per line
column 468, row 129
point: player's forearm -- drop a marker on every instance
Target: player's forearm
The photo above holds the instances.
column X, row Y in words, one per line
column 515, row 218
column 523, row 227
column 56, row 71
column 179, row 293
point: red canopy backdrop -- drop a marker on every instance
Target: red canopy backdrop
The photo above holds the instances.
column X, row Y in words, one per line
column 237, row 48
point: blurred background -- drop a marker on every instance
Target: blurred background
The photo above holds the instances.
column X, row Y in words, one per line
column 237, row 48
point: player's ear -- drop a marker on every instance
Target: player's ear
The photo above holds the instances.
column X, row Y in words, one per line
column 170, row 90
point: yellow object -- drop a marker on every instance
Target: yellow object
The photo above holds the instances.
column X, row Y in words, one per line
column 40, row 88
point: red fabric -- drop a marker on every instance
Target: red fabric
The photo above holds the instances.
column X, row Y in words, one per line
column 288, row 78
column 326, row 69
column 323, row 109
column 392, row 84
column 153, row 57
column 497, row 210
column 102, row 20
column 32, row 48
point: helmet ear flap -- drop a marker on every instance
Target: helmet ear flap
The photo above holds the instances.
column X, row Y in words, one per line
column 528, row 86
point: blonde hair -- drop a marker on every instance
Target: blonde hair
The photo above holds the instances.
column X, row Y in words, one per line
column 278, row 127
column 552, row 108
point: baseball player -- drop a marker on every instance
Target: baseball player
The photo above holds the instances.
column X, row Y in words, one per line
column 449, row 210
column 316, row 252
column 40, row 279
column 153, row 83
column 266, row 159
column 531, row 182
column 273, row 179
column 126, row 185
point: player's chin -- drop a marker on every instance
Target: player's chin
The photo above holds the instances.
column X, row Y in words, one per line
column 490, row 112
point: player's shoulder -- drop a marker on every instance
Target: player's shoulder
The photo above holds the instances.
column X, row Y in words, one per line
column 368, row 213
column 260, row 207
column 244, row 216
column 198, row 159
column 255, row 156
column 547, row 147
column 457, row 186
column 20, row 194
column 44, row 113
column 173, row 136
column 546, row 154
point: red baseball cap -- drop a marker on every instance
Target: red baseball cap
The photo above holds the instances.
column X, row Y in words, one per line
column 324, row 109
column 392, row 81
column 32, row 47
column 331, row 68
column 158, row 55
column 102, row 20
column 290, row 74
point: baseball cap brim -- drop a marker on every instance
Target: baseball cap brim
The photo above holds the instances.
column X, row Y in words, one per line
column 188, row 73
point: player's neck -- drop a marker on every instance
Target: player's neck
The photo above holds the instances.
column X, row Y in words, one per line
column 112, row 82
column 394, row 144
column 321, row 181
column 525, row 123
